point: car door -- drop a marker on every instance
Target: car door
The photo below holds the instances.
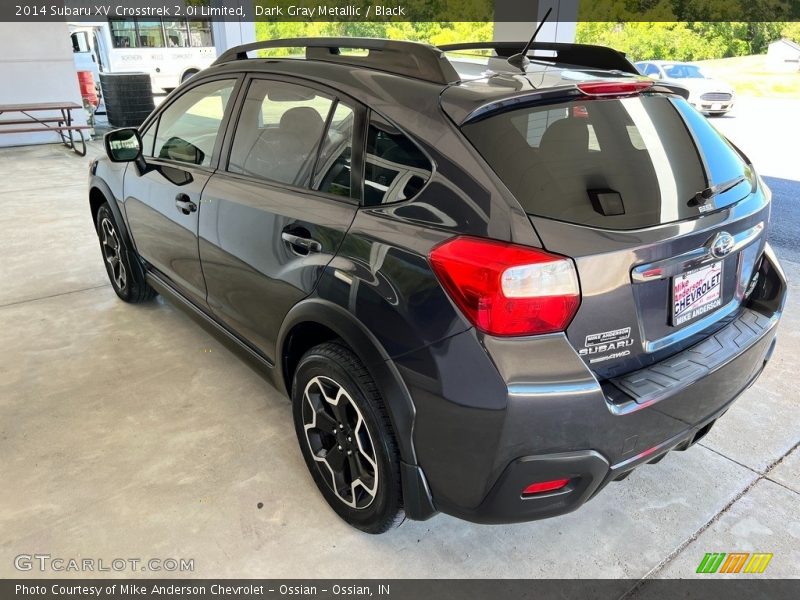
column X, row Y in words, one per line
column 276, row 212
column 162, row 203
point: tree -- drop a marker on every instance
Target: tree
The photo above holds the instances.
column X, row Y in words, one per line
column 685, row 41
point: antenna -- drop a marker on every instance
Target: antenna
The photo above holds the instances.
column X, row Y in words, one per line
column 521, row 60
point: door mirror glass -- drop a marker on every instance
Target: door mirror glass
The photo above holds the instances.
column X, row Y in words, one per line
column 123, row 145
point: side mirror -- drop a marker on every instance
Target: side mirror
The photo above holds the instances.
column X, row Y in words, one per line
column 123, row 145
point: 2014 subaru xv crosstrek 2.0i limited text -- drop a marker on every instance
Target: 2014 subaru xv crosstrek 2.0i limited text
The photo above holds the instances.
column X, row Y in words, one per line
column 490, row 287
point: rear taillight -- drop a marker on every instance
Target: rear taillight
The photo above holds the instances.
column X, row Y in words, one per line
column 545, row 486
column 614, row 88
column 508, row 290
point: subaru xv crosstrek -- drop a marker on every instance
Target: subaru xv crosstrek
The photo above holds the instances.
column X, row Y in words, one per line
column 489, row 290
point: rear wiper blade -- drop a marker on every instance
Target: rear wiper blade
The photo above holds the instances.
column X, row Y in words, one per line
column 707, row 194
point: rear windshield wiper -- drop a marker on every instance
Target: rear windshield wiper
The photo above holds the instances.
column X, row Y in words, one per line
column 707, row 194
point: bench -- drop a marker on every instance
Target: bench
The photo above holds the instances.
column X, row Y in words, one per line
column 62, row 125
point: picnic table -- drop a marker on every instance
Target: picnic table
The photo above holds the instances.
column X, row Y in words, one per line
column 63, row 124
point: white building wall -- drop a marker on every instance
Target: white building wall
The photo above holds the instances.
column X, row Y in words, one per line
column 783, row 57
column 228, row 34
column 560, row 25
column 36, row 65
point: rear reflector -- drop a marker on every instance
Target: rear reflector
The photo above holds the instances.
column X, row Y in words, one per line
column 505, row 289
column 614, row 88
column 545, row 486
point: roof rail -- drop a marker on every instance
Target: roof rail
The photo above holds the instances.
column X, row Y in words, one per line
column 584, row 55
column 412, row 59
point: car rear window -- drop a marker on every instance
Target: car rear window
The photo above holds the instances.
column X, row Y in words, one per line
column 612, row 163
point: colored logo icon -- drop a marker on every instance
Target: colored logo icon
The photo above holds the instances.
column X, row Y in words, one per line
column 734, row 562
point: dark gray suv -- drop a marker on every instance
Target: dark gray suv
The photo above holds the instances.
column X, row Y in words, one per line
column 488, row 289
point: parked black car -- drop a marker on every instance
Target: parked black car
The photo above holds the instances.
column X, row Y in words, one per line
column 486, row 295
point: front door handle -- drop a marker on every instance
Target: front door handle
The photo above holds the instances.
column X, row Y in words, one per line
column 185, row 204
column 302, row 245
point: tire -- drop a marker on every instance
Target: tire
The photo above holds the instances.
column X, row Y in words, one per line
column 363, row 451
column 188, row 75
column 128, row 98
column 122, row 265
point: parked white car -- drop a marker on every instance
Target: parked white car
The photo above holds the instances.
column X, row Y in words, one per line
column 710, row 96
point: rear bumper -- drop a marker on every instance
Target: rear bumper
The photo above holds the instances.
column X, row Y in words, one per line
column 590, row 470
column 556, row 421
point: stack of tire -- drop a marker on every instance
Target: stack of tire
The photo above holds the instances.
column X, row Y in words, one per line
column 128, row 98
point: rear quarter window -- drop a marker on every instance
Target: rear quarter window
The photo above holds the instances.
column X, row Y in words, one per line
column 395, row 168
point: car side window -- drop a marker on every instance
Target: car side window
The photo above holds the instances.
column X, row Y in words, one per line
column 395, row 168
column 188, row 128
column 279, row 132
column 333, row 172
column 149, row 139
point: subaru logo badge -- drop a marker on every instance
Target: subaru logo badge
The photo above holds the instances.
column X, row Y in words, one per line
column 722, row 244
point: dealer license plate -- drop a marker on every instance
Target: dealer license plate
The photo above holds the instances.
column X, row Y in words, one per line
column 696, row 293
column 716, row 106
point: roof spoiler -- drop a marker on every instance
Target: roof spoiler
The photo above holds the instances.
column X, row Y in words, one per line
column 584, row 55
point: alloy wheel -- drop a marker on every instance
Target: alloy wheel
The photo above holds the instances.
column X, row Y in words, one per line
column 112, row 252
column 340, row 442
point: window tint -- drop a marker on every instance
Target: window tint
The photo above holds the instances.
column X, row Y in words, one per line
column 149, row 139
column 150, row 34
column 200, row 33
column 123, row 34
column 533, row 125
column 80, row 42
column 651, row 70
column 132, row 33
column 188, row 128
column 395, row 169
column 333, row 171
column 177, row 34
column 683, row 72
column 279, row 132
column 616, row 163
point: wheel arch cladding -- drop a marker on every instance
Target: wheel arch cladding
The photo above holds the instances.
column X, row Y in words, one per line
column 100, row 193
column 96, row 200
column 314, row 321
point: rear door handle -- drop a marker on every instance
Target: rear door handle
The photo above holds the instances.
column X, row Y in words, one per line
column 185, row 204
column 303, row 244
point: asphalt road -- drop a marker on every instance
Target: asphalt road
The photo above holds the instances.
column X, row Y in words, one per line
column 768, row 131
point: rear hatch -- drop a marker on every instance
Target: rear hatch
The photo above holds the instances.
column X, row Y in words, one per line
column 663, row 217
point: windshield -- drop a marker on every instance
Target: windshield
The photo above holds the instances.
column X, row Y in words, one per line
column 615, row 163
column 683, row 72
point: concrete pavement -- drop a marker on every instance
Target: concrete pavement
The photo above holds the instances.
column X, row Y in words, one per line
column 128, row 432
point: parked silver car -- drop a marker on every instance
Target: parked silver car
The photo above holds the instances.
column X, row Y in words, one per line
column 708, row 95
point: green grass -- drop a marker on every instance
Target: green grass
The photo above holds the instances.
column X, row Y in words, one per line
column 751, row 76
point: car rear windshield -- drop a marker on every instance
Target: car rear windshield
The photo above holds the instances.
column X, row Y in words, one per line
column 612, row 163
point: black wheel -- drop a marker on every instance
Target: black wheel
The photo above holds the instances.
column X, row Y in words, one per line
column 346, row 438
column 188, row 75
column 123, row 268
